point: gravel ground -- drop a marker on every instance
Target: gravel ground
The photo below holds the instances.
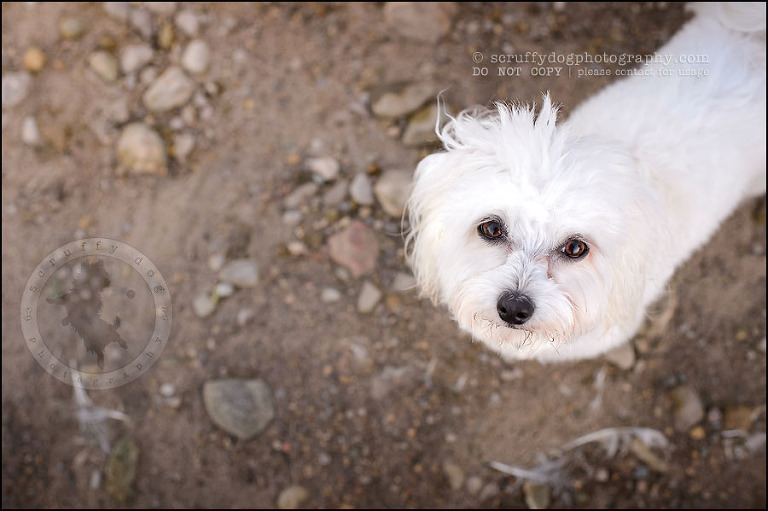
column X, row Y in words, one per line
column 258, row 155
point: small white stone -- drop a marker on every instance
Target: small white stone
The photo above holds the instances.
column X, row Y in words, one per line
column 135, row 56
column 30, row 134
column 167, row 390
column 187, row 22
column 224, row 289
column 196, row 57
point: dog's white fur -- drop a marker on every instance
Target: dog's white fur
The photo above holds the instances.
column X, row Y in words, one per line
column 644, row 172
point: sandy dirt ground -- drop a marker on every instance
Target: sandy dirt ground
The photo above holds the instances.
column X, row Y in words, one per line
column 386, row 405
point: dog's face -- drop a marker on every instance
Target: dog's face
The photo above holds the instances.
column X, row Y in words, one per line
column 531, row 236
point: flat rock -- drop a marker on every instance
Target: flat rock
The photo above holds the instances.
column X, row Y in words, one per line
column 142, row 150
column 243, row 408
column 368, row 298
column 421, row 21
column 135, row 56
column 241, row 273
column 392, row 191
column 170, row 90
column 361, row 190
column 421, row 127
column 689, row 409
column 15, row 88
column 196, row 57
column 104, row 65
column 355, row 248
column 400, row 99
column 325, row 167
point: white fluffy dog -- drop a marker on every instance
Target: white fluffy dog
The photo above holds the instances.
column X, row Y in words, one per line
column 549, row 242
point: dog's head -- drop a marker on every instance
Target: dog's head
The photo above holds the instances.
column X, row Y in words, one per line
column 530, row 234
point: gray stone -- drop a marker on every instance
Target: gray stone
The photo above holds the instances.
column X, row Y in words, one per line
column 402, row 99
column 241, row 273
column 622, row 356
column 183, row 145
column 120, row 11
column 15, row 88
column 167, row 390
column 404, row 282
column 170, row 90
column 689, row 409
column 421, row 21
column 243, row 408
column 330, row 295
column 30, row 134
column 368, row 299
column 245, row 316
column 224, row 289
column 361, row 190
column 135, row 56
column 196, row 57
column 326, row 167
column 104, row 65
column 292, row 497
column 421, row 127
column 392, row 191
column 72, row 29
column 454, row 474
column 474, row 485
column 300, row 195
column 336, row 194
column 187, row 22
column 203, row 306
column 141, row 149
column 141, row 21
column 355, row 248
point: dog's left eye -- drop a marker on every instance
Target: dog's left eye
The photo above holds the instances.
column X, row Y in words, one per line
column 491, row 230
column 575, row 249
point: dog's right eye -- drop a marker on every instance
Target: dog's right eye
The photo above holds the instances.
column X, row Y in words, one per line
column 491, row 230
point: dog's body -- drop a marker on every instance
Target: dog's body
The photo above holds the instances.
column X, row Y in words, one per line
column 539, row 235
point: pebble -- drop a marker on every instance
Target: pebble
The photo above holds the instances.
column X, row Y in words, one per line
column 183, row 145
column 30, row 134
column 166, row 36
column 326, row 167
column 296, row 248
column 421, row 127
column 390, row 379
column 401, row 100
column 34, row 59
column 537, row 495
column 404, row 282
column 104, row 65
column 167, row 390
column 361, row 190
column 163, row 8
column 142, row 150
column 292, row 497
column 420, row 21
column 474, row 485
column 135, row 56
column 454, row 474
column 141, row 21
column 300, row 195
column 15, row 87
column 170, row 90
column 355, row 248
column 245, row 316
column 330, row 295
column 203, row 306
column 224, row 289
column 187, row 22
column 120, row 471
column 392, row 190
column 118, row 10
column 622, row 356
column 689, row 409
column 72, row 29
column 241, row 273
column 196, row 57
column 292, row 217
column 368, row 299
column 336, row 193
column 243, row 408
column 216, row 261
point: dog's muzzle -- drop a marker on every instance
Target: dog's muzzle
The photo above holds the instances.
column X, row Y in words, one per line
column 514, row 308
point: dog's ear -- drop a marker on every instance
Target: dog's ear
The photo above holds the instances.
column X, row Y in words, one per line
column 428, row 194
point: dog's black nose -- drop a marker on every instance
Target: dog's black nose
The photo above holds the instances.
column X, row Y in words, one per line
column 515, row 308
